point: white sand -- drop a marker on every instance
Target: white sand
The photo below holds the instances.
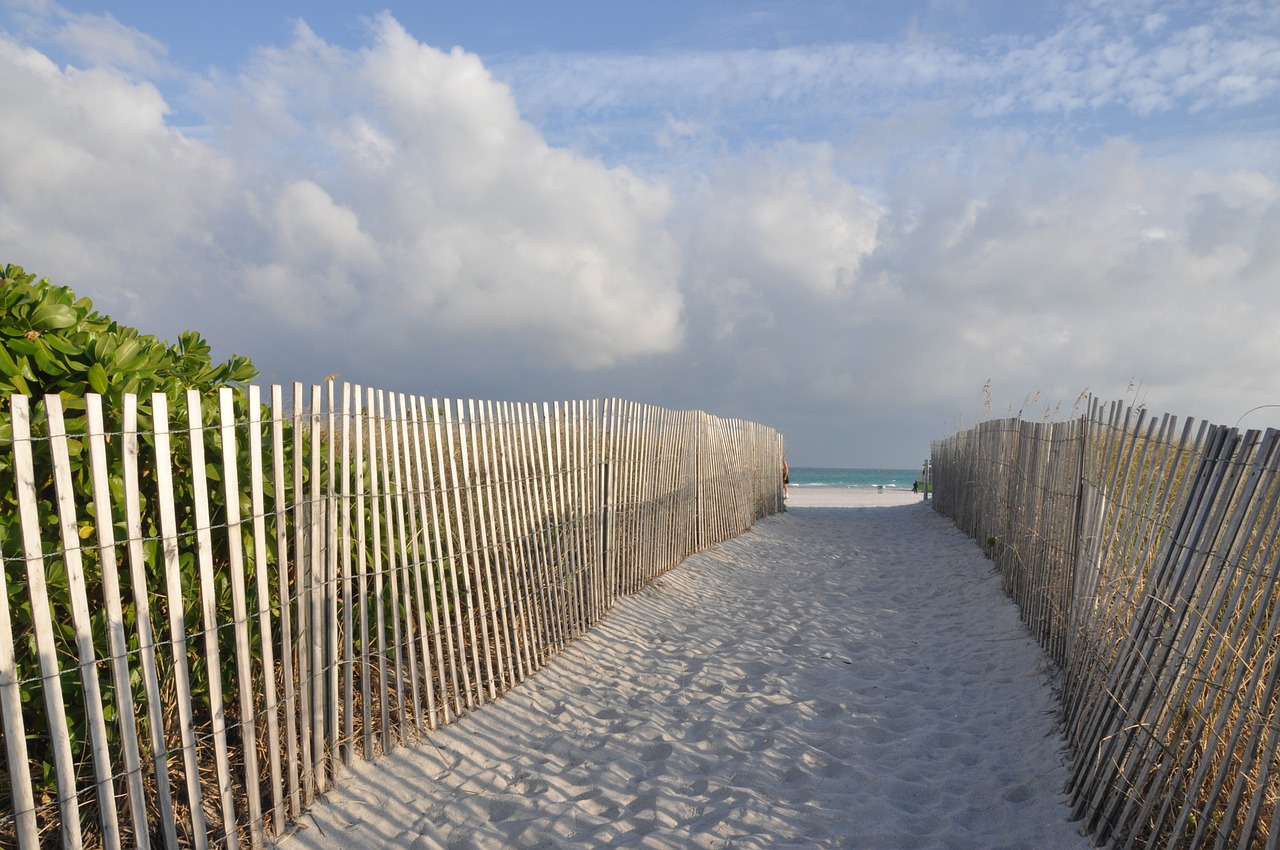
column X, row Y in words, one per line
column 835, row 497
column 834, row 678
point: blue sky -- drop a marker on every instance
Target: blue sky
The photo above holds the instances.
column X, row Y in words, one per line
column 840, row 218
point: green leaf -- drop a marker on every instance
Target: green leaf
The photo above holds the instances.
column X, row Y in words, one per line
column 23, row 346
column 127, row 354
column 59, row 344
column 98, row 378
column 7, row 366
column 49, row 317
column 15, row 274
column 44, row 359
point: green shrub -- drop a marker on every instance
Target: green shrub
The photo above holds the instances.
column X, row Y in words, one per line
column 52, row 342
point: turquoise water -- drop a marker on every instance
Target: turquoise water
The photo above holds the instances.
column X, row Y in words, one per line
column 814, row 476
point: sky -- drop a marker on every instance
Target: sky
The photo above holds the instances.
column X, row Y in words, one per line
column 865, row 224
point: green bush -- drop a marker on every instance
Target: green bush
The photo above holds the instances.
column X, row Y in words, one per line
column 52, row 342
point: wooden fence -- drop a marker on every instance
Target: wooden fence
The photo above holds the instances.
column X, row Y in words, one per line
column 207, row 614
column 1144, row 557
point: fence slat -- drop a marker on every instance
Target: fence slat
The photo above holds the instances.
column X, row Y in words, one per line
column 522, row 511
column 73, row 561
column 363, row 434
column 419, row 523
column 377, row 485
column 10, row 690
column 240, row 608
column 117, row 641
column 344, row 533
column 411, row 712
column 332, row 658
column 465, row 552
column 447, row 573
column 285, row 589
column 146, row 637
column 390, row 493
column 262, row 585
column 175, row 596
column 300, row 598
column 209, row 614
column 481, row 533
column 315, row 681
column 500, row 506
column 567, row 447
column 37, row 587
column 547, row 539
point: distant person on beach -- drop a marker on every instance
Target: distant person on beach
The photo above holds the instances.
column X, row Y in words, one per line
column 786, row 478
column 915, row 486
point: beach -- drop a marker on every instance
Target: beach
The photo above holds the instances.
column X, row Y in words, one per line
column 851, row 497
column 848, row 674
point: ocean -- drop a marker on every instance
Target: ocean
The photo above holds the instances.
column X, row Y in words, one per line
column 814, row 476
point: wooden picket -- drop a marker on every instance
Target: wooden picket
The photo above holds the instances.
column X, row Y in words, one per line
column 25, row 829
column 42, row 625
column 178, row 633
column 79, row 593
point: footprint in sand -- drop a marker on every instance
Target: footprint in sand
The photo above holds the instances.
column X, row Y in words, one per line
column 605, row 809
column 503, row 807
column 1018, row 794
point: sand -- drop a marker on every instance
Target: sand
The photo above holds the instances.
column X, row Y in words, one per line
column 847, row 676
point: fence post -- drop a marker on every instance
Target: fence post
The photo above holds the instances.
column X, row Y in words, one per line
column 15, row 738
column 1077, row 530
column 697, row 482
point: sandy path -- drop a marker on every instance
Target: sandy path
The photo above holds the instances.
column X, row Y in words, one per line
column 835, row 678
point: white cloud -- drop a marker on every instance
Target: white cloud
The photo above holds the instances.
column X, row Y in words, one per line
column 104, row 41
column 767, row 221
column 481, row 228
column 392, row 191
column 93, row 184
column 317, row 255
column 1105, row 263
column 1046, row 271
column 311, row 226
column 1098, row 57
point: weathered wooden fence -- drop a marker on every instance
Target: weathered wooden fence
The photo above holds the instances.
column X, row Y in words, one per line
column 207, row 614
column 1144, row 557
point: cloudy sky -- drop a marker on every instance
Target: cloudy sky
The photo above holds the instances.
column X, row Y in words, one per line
column 844, row 219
